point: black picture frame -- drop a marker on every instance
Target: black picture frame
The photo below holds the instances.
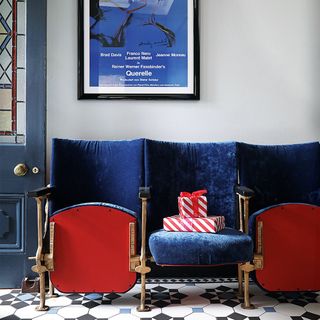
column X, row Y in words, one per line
column 191, row 90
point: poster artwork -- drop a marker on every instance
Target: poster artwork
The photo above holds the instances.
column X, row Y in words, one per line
column 140, row 44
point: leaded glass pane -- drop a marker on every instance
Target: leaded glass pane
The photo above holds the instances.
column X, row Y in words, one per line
column 5, row 120
column 6, row 61
column 5, row 99
column 21, row 56
column 21, row 85
column 21, row 116
column 21, row 22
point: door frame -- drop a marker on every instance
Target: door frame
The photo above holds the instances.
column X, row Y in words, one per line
column 36, row 101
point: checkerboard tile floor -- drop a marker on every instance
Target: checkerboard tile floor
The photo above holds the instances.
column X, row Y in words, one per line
column 171, row 299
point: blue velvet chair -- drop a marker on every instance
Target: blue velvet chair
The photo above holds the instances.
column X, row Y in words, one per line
column 175, row 167
column 284, row 213
column 93, row 211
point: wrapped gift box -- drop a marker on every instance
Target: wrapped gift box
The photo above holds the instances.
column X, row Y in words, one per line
column 193, row 205
column 209, row 224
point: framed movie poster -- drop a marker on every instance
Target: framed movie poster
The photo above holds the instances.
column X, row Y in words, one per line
column 138, row 49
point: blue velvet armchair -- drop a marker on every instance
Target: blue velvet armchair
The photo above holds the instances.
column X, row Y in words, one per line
column 284, row 213
column 174, row 167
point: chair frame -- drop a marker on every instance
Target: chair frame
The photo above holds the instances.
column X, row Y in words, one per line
column 138, row 263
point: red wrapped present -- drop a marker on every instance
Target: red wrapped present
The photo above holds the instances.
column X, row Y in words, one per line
column 193, row 205
column 209, row 224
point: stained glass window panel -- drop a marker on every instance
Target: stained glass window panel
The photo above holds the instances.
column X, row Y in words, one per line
column 12, row 71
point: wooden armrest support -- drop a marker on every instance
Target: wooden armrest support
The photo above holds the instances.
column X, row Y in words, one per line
column 41, row 192
column 144, row 192
column 244, row 191
column 244, row 195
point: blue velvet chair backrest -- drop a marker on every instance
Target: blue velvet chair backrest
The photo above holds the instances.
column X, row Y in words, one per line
column 280, row 173
column 175, row 167
column 97, row 171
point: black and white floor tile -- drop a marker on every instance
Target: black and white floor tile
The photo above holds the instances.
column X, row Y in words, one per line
column 170, row 299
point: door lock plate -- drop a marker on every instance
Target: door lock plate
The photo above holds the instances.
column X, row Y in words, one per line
column 35, row 170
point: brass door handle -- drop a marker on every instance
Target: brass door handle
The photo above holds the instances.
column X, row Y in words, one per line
column 20, row 170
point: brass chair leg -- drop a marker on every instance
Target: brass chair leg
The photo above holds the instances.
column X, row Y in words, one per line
column 142, row 268
column 51, row 293
column 143, row 307
column 247, row 268
column 240, row 281
column 39, row 268
column 44, row 261
column 42, row 306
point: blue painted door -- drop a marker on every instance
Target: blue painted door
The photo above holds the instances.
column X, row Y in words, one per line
column 22, row 132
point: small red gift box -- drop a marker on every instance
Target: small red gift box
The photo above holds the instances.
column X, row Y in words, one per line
column 210, row 224
column 193, row 205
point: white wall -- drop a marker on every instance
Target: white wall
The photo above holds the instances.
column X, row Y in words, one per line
column 260, row 79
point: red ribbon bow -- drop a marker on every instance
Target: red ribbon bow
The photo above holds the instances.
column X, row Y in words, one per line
column 194, row 198
column 194, row 194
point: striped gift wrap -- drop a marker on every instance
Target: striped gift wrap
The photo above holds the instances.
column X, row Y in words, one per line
column 193, row 206
column 211, row 224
